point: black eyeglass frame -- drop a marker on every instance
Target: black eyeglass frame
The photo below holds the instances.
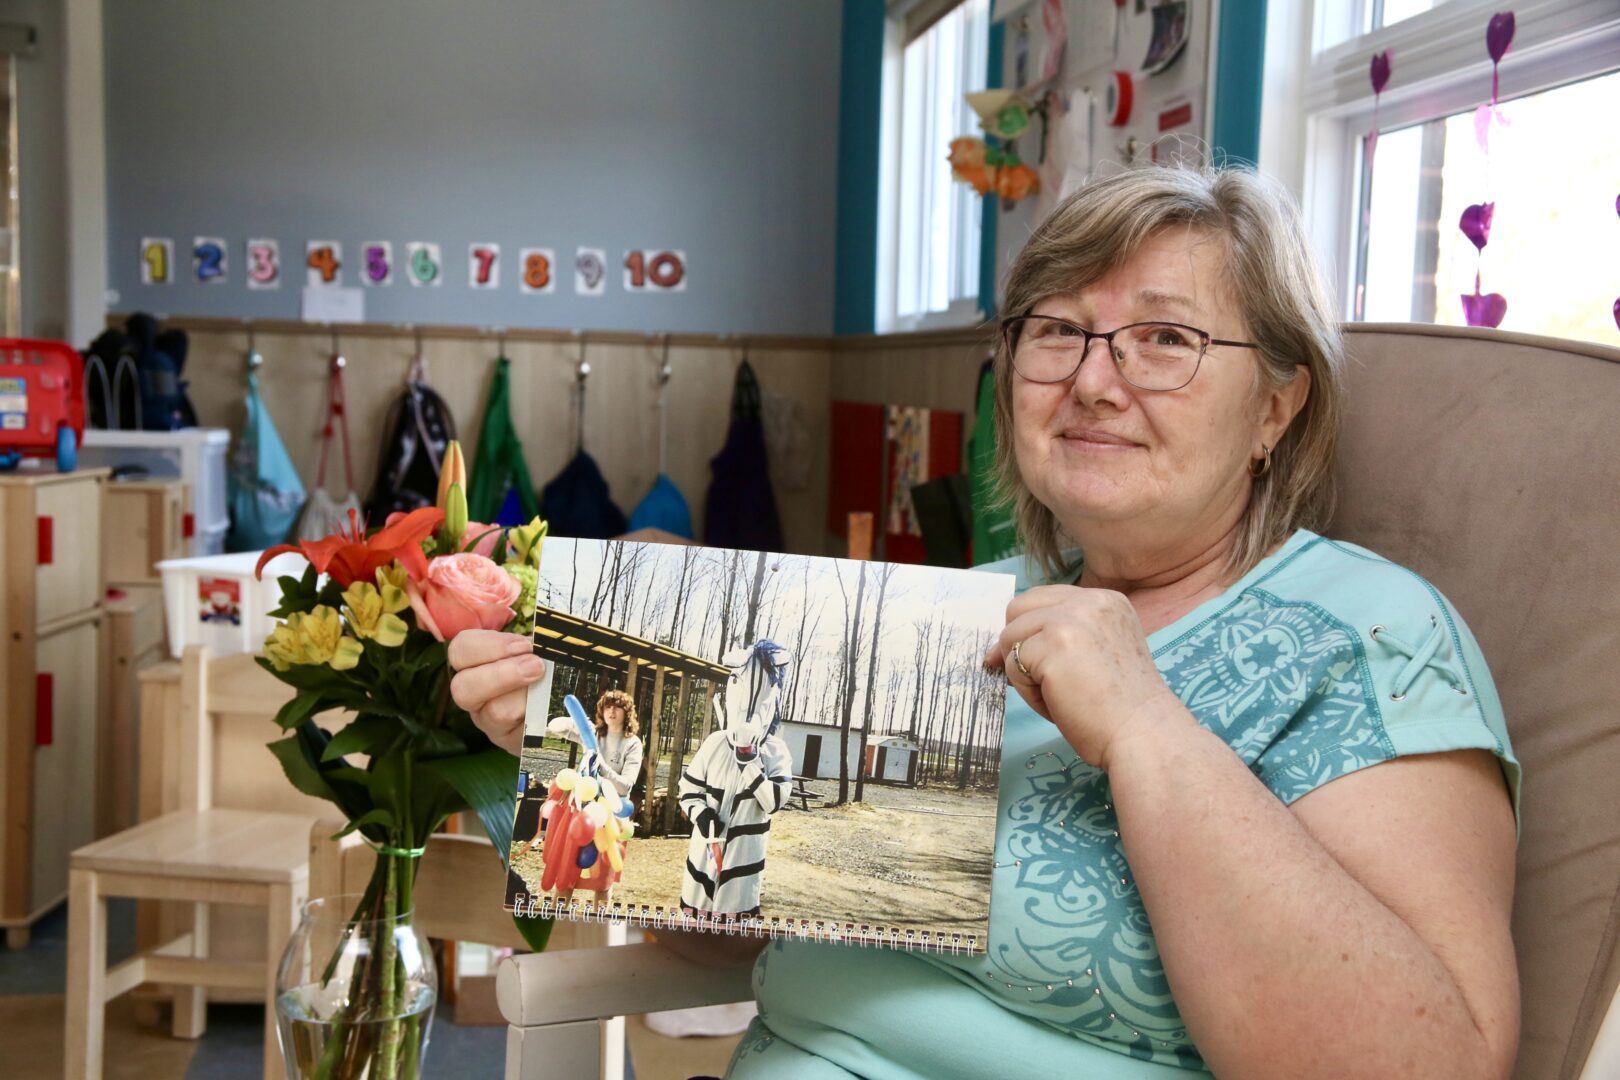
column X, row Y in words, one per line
column 1011, row 345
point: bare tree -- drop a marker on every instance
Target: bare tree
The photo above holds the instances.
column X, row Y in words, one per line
column 852, row 660
column 754, row 593
column 884, row 576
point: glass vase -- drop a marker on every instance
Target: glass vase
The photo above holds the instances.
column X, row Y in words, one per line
column 355, row 992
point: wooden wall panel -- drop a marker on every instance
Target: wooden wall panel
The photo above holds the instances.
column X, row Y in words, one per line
column 621, row 417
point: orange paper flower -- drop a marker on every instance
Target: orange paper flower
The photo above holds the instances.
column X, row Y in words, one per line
column 349, row 555
column 1013, row 182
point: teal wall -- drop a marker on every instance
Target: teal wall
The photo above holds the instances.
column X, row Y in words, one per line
column 1239, row 69
column 860, row 113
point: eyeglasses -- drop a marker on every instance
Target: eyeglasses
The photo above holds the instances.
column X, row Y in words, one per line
column 1149, row 355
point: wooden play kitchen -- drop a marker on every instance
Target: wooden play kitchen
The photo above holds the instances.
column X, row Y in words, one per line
column 51, row 614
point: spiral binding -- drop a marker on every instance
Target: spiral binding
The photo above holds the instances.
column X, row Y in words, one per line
column 544, row 907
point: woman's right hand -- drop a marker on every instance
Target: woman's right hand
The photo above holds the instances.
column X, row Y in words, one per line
column 493, row 674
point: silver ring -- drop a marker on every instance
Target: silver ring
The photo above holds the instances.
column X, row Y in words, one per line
column 1017, row 645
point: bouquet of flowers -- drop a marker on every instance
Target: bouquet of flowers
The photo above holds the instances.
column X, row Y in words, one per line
column 363, row 640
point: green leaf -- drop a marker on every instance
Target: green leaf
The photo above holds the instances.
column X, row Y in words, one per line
column 371, row 817
column 297, row 594
column 437, row 742
column 536, row 932
column 301, row 771
column 488, row 781
column 301, row 707
column 368, row 734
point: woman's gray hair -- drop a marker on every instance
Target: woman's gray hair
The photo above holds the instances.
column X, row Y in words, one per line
column 1271, row 278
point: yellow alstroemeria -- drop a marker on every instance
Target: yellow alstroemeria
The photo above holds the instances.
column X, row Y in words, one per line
column 315, row 637
column 525, row 540
column 391, row 581
column 364, row 608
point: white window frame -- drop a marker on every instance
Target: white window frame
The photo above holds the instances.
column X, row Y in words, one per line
column 1440, row 68
column 964, row 311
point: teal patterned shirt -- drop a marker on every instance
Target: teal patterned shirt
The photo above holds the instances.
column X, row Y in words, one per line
column 1322, row 660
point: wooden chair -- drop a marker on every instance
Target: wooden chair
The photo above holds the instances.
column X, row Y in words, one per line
column 199, row 854
column 1485, row 461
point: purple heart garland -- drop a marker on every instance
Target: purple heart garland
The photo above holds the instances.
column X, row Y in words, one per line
column 1487, row 310
column 1498, row 36
column 1476, row 224
column 1380, row 71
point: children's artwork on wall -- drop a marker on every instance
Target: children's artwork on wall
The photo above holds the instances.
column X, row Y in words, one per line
column 424, row 263
column 879, row 452
column 378, row 256
column 324, row 262
column 263, row 263
column 590, row 271
column 484, row 266
column 208, row 260
column 655, row 271
column 157, row 258
column 1169, row 36
column 537, row 276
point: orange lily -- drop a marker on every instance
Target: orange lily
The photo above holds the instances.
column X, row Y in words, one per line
column 349, row 555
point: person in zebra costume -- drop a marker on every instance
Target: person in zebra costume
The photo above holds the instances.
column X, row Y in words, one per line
column 739, row 777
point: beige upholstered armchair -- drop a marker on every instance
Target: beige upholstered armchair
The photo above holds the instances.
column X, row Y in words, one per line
column 1490, row 463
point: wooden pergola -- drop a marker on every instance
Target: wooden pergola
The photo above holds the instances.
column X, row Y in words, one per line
column 568, row 639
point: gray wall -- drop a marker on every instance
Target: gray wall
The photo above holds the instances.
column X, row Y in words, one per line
column 704, row 125
column 41, row 170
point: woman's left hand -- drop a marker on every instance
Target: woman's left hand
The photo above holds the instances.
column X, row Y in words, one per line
column 1086, row 666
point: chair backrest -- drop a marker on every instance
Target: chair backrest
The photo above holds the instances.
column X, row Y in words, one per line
column 1487, row 462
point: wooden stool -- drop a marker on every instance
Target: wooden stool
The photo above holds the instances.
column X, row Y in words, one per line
column 201, row 857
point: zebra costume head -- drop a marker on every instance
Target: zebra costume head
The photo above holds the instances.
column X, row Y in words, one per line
column 752, row 709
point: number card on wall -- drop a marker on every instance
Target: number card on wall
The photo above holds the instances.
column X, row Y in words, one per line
column 424, row 265
column 208, row 259
column 324, row 258
column 484, row 266
column 157, row 256
column 263, row 263
column 379, row 263
column 590, row 271
column 537, row 270
column 655, row 271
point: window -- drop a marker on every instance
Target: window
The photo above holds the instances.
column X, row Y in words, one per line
column 1551, row 170
column 929, row 262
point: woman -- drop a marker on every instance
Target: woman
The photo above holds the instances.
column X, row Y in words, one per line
column 1257, row 800
column 618, row 736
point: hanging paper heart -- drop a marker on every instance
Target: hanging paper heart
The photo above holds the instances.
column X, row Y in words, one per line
column 1476, row 223
column 1499, row 35
column 1486, row 310
column 1617, row 313
column 1380, row 71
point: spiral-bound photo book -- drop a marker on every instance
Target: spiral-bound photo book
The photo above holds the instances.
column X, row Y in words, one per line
column 780, row 745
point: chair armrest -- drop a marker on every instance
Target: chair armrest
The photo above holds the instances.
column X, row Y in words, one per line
column 593, row 984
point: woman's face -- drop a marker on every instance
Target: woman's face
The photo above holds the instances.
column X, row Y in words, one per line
column 1097, row 451
column 613, row 717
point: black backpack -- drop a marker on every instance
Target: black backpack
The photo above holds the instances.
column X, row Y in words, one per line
column 419, row 428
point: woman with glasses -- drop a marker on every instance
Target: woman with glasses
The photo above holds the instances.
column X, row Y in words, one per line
column 1258, row 805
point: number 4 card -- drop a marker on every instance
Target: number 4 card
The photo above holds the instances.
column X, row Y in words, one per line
column 324, row 258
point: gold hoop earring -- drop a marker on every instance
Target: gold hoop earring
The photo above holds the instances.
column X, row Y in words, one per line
column 1265, row 464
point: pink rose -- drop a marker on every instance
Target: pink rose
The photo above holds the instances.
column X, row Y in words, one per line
column 485, row 545
column 462, row 592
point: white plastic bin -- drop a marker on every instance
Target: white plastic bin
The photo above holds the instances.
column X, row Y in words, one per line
column 195, row 455
column 215, row 601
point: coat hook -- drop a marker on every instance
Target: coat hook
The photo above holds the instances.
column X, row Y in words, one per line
column 500, row 341
column 338, row 362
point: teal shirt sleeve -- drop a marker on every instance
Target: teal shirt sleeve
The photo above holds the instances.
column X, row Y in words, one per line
column 1382, row 665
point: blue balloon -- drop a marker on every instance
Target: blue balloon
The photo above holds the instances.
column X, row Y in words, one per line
column 587, row 731
column 625, row 809
column 587, row 856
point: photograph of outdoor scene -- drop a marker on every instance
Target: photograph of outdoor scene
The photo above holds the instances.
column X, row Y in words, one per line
column 818, row 738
